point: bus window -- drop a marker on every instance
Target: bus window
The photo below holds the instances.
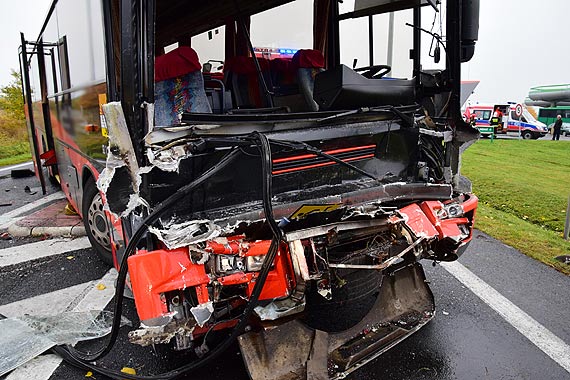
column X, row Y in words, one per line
column 77, row 22
column 210, row 46
column 354, row 41
column 287, row 26
column 544, row 112
column 50, row 36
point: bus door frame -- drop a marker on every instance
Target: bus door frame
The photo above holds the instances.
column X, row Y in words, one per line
column 27, row 95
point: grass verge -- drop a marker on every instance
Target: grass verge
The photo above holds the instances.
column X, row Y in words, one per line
column 17, row 159
column 12, row 153
column 530, row 239
column 523, row 187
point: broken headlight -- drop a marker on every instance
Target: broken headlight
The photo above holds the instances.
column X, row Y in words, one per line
column 228, row 264
column 254, row 263
column 453, row 210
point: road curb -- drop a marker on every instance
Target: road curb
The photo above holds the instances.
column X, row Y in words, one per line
column 20, row 231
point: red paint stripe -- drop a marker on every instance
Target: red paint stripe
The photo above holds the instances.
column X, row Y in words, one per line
column 335, row 151
column 283, row 171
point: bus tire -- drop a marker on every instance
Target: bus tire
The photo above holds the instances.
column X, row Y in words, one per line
column 349, row 304
column 527, row 135
column 95, row 222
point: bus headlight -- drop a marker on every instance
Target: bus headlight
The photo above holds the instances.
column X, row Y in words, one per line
column 254, row 263
column 454, row 210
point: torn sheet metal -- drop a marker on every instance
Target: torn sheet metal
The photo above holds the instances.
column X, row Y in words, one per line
column 299, row 260
column 161, row 330
column 161, row 333
column 167, row 160
column 120, row 180
column 186, row 233
column 24, row 338
column 203, row 312
column 149, row 109
column 447, row 135
column 279, row 309
column 292, row 350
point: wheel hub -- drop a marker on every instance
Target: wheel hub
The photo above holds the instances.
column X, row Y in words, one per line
column 98, row 223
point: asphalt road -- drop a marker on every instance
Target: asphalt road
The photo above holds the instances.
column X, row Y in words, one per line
column 500, row 314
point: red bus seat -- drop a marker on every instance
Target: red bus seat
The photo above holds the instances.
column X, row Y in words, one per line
column 242, row 79
column 308, row 63
column 179, row 86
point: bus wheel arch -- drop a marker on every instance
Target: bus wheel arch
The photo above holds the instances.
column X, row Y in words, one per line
column 95, row 219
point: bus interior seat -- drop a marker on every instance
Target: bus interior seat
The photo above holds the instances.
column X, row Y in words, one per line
column 343, row 88
column 179, row 86
column 242, row 79
column 308, row 63
column 219, row 97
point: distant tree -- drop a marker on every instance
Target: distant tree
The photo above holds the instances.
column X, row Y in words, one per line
column 12, row 116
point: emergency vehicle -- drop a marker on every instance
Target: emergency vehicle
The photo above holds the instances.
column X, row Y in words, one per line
column 520, row 122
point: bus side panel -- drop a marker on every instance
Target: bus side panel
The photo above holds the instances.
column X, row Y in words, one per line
column 76, row 87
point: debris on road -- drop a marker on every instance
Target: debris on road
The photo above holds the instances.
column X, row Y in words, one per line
column 129, row 371
column 28, row 336
column 21, row 173
column 69, row 210
column 27, row 190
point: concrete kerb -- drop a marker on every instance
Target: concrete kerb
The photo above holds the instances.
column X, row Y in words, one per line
column 67, row 231
column 48, row 219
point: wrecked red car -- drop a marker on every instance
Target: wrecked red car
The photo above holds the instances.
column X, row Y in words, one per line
column 257, row 179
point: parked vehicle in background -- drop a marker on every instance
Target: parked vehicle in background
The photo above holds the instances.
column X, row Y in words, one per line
column 284, row 202
column 565, row 130
column 548, row 117
column 524, row 125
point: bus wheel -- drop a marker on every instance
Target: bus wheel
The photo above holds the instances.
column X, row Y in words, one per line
column 95, row 222
column 527, row 135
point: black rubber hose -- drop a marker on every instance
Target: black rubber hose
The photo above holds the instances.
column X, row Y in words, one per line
column 83, row 361
column 151, row 218
column 266, row 267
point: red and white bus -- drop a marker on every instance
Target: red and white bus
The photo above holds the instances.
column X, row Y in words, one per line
column 287, row 201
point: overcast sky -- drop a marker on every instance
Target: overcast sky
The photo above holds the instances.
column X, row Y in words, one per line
column 521, row 44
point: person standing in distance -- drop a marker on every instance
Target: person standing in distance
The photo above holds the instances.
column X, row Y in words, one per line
column 557, row 127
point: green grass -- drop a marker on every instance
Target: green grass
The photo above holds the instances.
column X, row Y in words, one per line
column 17, row 159
column 14, row 152
column 523, row 187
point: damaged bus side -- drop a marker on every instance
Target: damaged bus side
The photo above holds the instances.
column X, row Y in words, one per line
column 281, row 197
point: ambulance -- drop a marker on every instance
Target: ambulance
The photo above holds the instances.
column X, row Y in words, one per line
column 513, row 119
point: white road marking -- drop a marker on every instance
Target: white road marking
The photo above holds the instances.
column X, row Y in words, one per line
column 45, row 248
column 46, row 304
column 12, row 216
column 7, row 169
column 97, row 298
column 539, row 335
column 88, row 298
column 47, row 364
